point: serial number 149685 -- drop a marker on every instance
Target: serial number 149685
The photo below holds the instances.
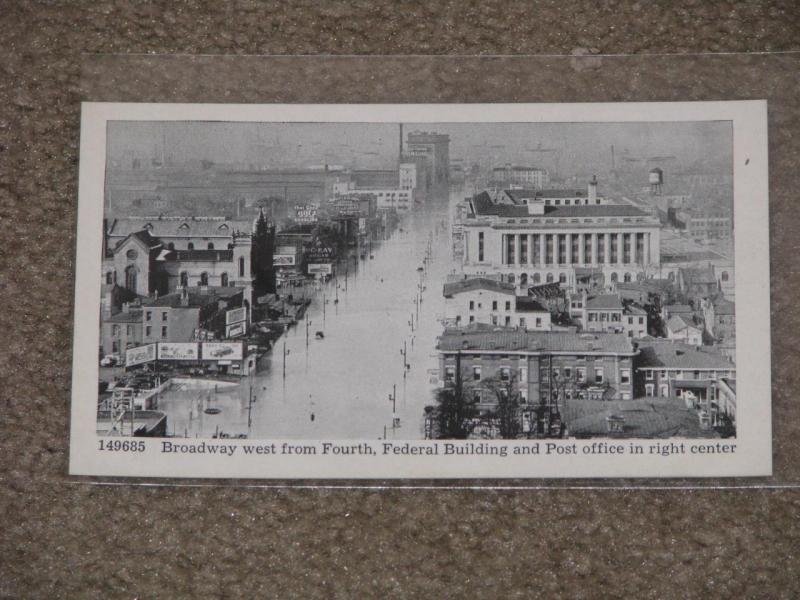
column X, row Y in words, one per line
column 122, row 445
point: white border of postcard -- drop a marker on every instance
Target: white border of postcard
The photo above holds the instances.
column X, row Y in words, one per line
column 752, row 455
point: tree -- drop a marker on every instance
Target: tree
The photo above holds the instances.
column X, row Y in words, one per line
column 507, row 415
column 455, row 409
column 262, row 255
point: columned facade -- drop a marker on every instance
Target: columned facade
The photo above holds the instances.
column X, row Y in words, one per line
column 629, row 253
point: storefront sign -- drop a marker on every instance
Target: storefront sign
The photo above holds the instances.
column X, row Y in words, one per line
column 283, row 260
column 140, row 354
column 236, row 315
column 178, row 351
column 306, row 213
column 320, row 269
column 222, row 351
column 235, row 330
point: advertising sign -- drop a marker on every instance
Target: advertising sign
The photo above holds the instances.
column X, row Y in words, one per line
column 306, row 213
column 140, row 354
column 235, row 330
column 236, row 315
column 319, row 252
column 178, row 351
column 222, row 351
column 290, row 250
column 282, row 260
column 320, row 269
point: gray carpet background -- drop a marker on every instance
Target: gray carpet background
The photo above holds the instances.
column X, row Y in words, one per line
column 64, row 537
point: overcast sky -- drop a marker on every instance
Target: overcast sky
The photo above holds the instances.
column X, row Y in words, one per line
column 562, row 147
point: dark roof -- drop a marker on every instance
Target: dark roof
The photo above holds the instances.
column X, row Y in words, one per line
column 675, row 309
column 731, row 383
column 197, row 297
column 545, row 290
column 677, row 323
column 134, row 315
column 178, row 226
column 724, row 307
column 674, row 355
column 525, row 304
column 503, row 339
column 198, row 255
column 698, row 276
column 604, row 302
column 483, row 206
column 143, row 236
column 477, row 283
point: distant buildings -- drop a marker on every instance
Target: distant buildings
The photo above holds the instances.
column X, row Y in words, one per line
column 680, row 328
column 436, row 148
column 607, row 313
column 514, row 174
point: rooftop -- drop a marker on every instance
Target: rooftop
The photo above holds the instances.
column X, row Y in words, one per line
column 545, row 290
column 675, row 309
column 676, row 323
column 604, row 302
column 698, row 276
column 490, row 338
column 178, row 226
column 724, row 307
column 526, row 304
column 673, row 355
column 482, row 205
column 199, row 296
column 477, row 283
column 197, row 255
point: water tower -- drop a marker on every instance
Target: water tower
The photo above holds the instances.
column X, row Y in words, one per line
column 656, row 181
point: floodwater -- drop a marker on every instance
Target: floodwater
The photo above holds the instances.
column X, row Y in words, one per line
column 341, row 386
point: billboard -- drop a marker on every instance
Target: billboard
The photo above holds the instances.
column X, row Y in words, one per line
column 178, row 351
column 140, row 354
column 222, row 351
column 320, row 268
column 306, row 213
column 283, row 260
column 235, row 330
column 236, row 315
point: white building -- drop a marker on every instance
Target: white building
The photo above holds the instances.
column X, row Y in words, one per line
column 679, row 329
column 538, row 243
column 532, row 176
column 492, row 302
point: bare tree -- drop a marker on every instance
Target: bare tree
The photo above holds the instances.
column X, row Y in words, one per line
column 455, row 410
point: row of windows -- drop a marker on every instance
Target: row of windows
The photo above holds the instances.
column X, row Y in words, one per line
column 148, row 331
column 579, row 377
column 506, row 322
column 685, row 374
column 494, row 305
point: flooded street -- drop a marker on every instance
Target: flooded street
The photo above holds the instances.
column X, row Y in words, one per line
column 341, row 386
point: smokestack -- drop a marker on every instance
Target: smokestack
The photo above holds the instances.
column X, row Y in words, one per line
column 593, row 190
column 401, row 142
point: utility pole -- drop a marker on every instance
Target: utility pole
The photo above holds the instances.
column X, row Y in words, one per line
column 284, row 359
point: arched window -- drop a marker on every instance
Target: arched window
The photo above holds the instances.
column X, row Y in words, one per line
column 523, row 279
column 203, row 278
column 537, row 278
column 640, row 276
column 224, row 280
column 627, row 278
column 614, row 278
column 171, row 246
column 724, row 276
column 190, row 246
column 110, row 277
column 130, row 278
column 184, row 278
column 210, row 245
column 230, row 246
column 132, row 254
column 241, row 266
column 549, row 278
column 671, row 276
column 510, row 278
column 562, row 278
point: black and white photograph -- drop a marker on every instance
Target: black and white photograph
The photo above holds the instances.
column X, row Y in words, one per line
column 450, row 290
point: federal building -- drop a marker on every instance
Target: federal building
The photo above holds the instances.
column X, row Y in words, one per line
column 550, row 236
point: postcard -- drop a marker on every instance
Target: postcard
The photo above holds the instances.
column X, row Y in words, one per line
column 422, row 291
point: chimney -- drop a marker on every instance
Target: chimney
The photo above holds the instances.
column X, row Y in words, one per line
column 126, row 307
column 593, row 190
column 184, row 297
